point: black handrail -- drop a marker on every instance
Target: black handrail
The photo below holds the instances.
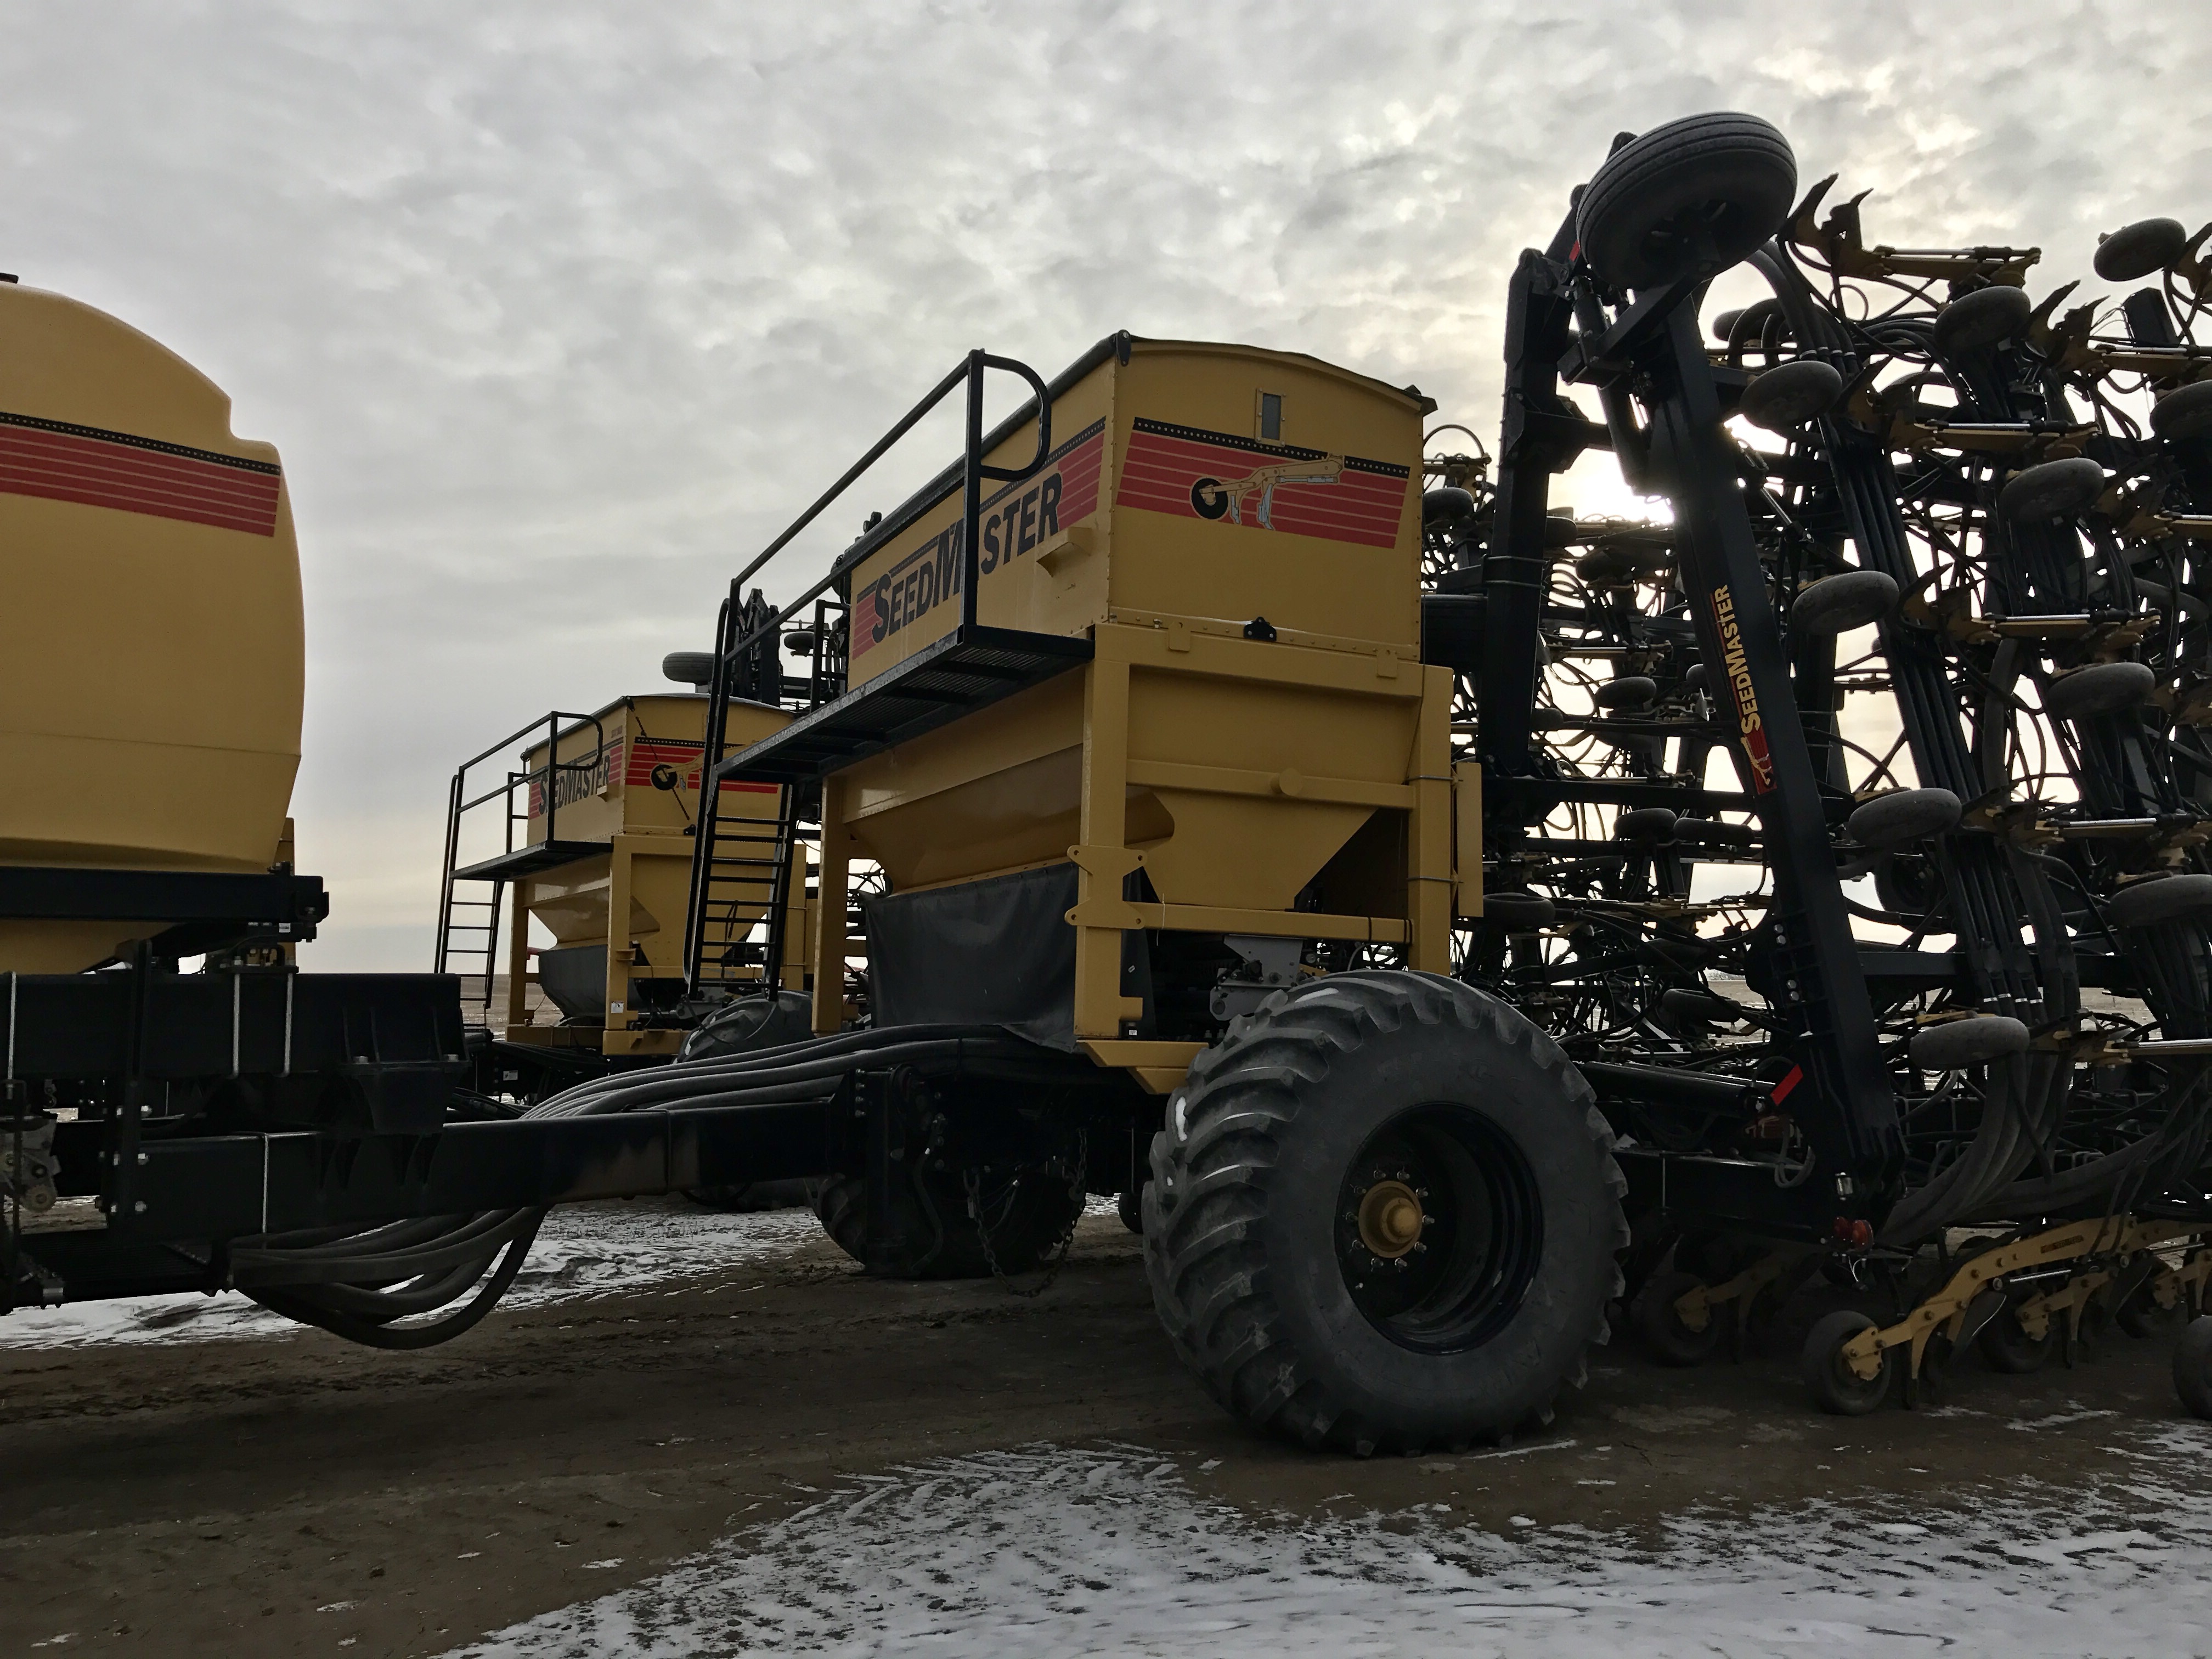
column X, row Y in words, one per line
column 973, row 470
column 729, row 650
column 456, row 804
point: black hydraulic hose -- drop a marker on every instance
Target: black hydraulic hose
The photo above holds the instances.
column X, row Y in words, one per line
column 586, row 1099
column 800, row 1091
column 384, row 1303
column 2119, row 1178
column 479, row 1237
column 688, row 1088
column 324, row 1242
column 370, row 1332
column 2023, row 1100
column 355, row 1283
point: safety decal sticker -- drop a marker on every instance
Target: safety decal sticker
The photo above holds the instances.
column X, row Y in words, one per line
column 91, row 467
column 1196, row 474
column 638, row 759
column 1018, row 521
column 1749, row 726
column 649, row 755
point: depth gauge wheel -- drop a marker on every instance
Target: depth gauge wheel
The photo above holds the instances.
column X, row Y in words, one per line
column 2141, row 1315
column 1659, row 1322
column 2006, row 1347
column 1835, row 1386
column 1384, row 1216
column 1688, row 199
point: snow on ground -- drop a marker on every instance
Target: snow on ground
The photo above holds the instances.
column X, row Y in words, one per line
column 1051, row 1551
column 583, row 1249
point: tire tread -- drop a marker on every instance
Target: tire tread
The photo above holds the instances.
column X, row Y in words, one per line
column 1210, row 1278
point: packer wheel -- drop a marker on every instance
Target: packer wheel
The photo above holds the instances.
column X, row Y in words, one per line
column 2006, row 1347
column 1131, row 1204
column 2140, row 1314
column 1836, row 1387
column 1384, row 1216
column 1659, row 1323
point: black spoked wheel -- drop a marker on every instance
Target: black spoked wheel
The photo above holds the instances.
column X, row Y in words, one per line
column 1384, row 1216
column 1836, row 1386
column 747, row 1026
column 751, row 1024
column 1689, row 198
column 1659, row 1322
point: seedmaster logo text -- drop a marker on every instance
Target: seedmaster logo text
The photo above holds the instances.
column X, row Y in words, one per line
column 1752, row 729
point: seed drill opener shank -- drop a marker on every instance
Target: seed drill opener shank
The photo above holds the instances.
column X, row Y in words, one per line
column 1648, row 353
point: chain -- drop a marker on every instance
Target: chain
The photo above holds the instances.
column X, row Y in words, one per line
column 1060, row 1250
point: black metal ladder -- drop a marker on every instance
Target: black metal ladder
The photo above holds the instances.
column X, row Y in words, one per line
column 462, row 940
column 741, row 879
column 468, row 948
column 741, row 867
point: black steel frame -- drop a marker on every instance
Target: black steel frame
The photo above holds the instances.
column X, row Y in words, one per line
column 1559, row 328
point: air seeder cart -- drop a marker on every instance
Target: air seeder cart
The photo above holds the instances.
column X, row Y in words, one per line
column 1437, row 917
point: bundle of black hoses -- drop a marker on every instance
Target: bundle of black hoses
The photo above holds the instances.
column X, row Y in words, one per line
column 360, row 1283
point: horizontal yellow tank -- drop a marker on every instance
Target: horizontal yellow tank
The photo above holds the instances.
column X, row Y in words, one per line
column 151, row 645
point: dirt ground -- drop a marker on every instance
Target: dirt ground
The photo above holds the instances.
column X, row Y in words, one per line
column 305, row 1496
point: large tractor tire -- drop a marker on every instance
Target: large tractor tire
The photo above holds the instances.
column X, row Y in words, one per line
column 1384, row 1216
column 933, row 1237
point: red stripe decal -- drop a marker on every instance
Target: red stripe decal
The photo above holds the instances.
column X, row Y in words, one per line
column 646, row 753
column 88, row 468
column 1194, row 474
column 1790, row 1079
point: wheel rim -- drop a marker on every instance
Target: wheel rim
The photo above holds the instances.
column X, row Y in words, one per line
column 1439, row 1229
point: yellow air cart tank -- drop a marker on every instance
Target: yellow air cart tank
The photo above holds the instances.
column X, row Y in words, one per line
column 1252, row 748
column 624, row 783
column 151, row 641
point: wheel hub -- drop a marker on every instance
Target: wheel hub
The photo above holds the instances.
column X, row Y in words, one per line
column 1390, row 1219
column 1439, row 1229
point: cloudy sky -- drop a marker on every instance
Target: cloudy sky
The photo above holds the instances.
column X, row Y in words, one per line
column 558, row 312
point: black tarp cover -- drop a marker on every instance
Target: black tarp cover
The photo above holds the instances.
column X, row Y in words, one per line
column 997, row 951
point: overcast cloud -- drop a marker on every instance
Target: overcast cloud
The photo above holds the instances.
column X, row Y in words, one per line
column 557, row 312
